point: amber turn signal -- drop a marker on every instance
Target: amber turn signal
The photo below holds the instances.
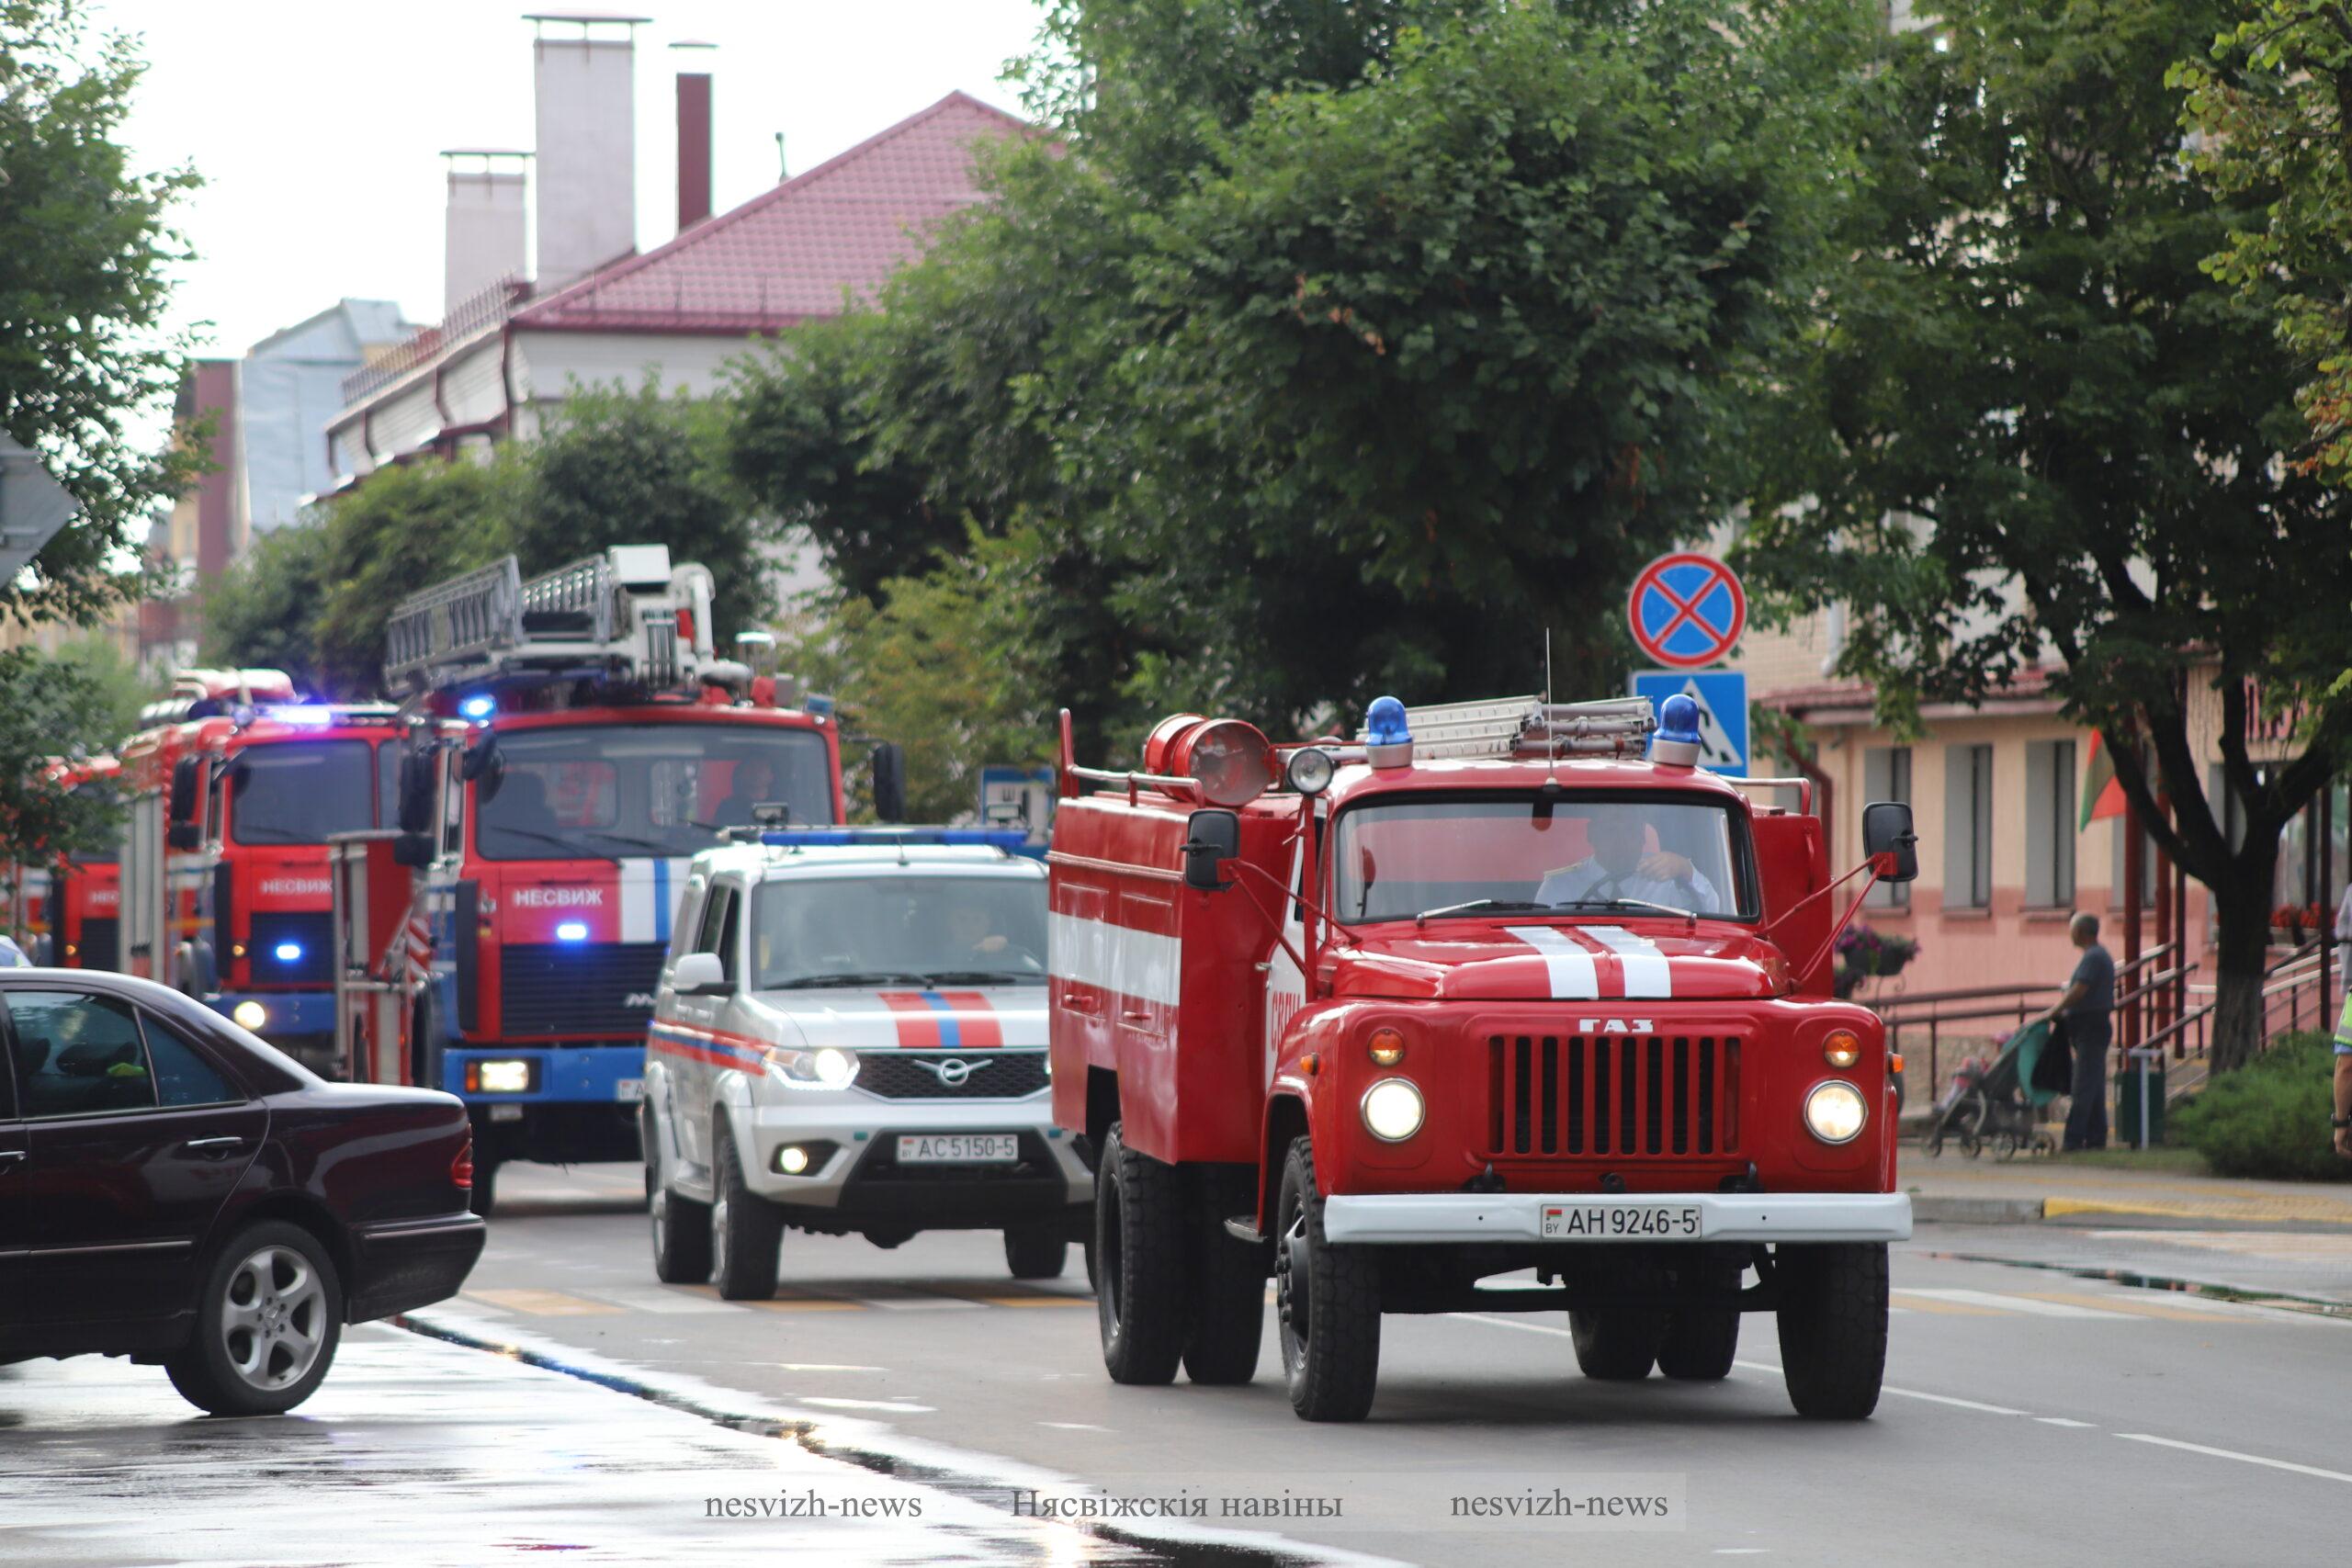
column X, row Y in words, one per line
column 1387, row 1047
column 1894, row 1063
column 1842, row 1049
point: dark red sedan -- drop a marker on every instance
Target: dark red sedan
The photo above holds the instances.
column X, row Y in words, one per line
column 175, row 1190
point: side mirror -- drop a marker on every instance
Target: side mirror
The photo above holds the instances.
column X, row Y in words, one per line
column 1886, row 830
column 413, row 849
column 417, row 792
column 890, row 782
column 183, row 802
column 700, row 974
column 1211, row 835
column 184, row 836
column 480, row 760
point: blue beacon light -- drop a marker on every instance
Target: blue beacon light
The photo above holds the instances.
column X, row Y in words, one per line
column 288, row 951
column 572, row 930
column 481, row 704
column 1388, row 741
column 1676, row 744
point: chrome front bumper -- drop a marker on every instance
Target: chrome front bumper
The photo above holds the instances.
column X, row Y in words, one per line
column 1404, row 1219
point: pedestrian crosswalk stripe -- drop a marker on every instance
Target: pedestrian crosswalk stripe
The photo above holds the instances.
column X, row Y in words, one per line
column 805, row 1303
column 2136, row 1308
column 1913, row 1300
column 2014, row 1304
column 663, row 1299
column 1039, row 1301
column 545, row 1303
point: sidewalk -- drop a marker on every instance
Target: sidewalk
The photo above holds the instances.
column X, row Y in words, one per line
column 1954, row 1190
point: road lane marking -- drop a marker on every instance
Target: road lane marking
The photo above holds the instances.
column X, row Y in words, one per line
column 2059, row 1421
column 1906, row 1392
column 545, row 1303
column 1998, row 1303
column 658, row 1299
column 2231, row 1453
column 1039, row 1301
column 2137, row 1309
column 1076, row 1426
column 828, row 1367
column 891, row 1406
column 1912, row 1300
column 807, row 1303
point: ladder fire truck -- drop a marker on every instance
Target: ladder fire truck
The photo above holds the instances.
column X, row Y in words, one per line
column 234, row 792
column 1485, row 991
column 72, row 908
column 573, row 741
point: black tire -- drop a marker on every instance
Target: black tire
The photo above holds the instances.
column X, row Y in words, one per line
column 1089, row 1250
column 680, row 1226
column 1698, row 1344
column 424, row 1044
column 1327, row 1300
column 1228, row 1283
column 1140, row 1296
column 1833, row 1327
column 269, row 1318
column 1036, row 1251
column 746, row 1230
column 1615, row 1344
column 484, row 1195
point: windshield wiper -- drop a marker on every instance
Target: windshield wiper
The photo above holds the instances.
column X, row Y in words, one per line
column 1495, row 904
column 983, row 978
column 572, row 851
column 851, row 977
column 656, row 845
column 262, row 834
column 1687, row 915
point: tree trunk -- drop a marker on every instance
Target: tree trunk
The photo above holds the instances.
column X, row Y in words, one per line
column 2241, row 910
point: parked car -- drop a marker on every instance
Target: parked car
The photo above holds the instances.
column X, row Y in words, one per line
column 176, row 1190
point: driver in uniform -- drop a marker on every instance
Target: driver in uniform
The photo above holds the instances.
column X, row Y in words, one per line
column 1617, row 869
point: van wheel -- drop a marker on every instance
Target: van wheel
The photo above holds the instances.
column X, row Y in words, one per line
column 1833, row 1326
column 1036, row 1251
column 1697, row 1346
column 1228, row 1283
column 267, row 1321
column 746, row 1230
column 1327, row 1300
column 680, row 1227
column 1139, row 1263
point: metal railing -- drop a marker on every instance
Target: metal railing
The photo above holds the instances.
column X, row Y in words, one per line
column 468, row 317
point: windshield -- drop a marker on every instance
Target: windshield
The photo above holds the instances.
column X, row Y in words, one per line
column 298, row 792
column 614, row 791
column 103, row 790
column 899, row 931
column 1411, row 856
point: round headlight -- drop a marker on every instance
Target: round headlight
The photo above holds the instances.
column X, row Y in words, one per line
column 1309, row 770
column 249, row 1015
column 1387, row 1047
column 1393, row 1109
column 1835, row 1112
column 792, row 1159
column 1842, row 1049
column 835, row 1067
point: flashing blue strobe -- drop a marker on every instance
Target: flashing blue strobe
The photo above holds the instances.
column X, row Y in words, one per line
column 1384, row 723
column 1678, row 719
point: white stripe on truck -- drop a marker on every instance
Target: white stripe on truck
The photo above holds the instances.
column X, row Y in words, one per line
column 1136, row 964
column 1648, row 973
column 1574, row 976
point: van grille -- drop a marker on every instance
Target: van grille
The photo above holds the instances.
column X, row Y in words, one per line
column 577, row 987
column 1618, row 1095
column 993, row 1074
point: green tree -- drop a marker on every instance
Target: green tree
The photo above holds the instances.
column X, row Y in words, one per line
column 50, row 708
column 406, row 528
column 263, row 612
column 116, row 690
column 2030, row 427
column 86, row 253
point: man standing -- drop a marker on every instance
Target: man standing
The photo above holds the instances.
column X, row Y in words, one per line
column 2343, row 1118
column 2088, row 1008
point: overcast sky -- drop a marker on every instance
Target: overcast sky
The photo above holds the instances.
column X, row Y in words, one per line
column 317, row 124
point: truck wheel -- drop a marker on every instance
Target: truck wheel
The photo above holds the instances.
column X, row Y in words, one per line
column 1833, row 1327
column 1327, row 1300
column 1228, row 1284
column 1139, row 1261
column 484, row 1195
column 746, row 1230
column 267, row 1321
column 680, row 1227
column 1615, row 1344
column 1698, row 1344
column 1036, row 1251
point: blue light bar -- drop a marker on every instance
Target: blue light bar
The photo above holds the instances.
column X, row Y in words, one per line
column 1006, row 839
column 304, row 714
column 481, row 704
column 572, row 930
column 288, row 951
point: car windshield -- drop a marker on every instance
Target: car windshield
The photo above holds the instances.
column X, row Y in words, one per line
column 1477, row 856
column 899, row 931
column 615, row 791
column 298, row 792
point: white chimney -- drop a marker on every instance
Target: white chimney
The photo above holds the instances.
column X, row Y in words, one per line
column 487, row 229
column 587, row 133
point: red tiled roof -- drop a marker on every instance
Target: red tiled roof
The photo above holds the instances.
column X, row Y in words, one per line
column 789, row 254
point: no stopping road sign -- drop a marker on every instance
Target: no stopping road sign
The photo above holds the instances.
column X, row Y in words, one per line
column 1687, row 610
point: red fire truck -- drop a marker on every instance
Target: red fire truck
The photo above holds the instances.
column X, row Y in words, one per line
column 1485, row 991
column 233, row 793
column 574, row 741
column 80, row 916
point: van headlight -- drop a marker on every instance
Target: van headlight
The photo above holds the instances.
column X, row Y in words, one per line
column 827, row 1066
column 250, row 1014
column 1393, row 1109
column 1834, row 1112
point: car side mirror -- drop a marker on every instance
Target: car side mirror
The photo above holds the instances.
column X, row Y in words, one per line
column 183, row 802
column 1211, row 835
column 890, row 782
column 1886, row 830
column 414, row 851
column 700, row 974
column 417, row 792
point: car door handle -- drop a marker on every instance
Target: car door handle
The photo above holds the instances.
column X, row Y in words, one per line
column 10, row 1157
column 212, row 1148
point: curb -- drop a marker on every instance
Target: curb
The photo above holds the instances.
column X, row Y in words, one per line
column 1947, row 1210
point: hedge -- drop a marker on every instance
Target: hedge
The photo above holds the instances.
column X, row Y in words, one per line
column 2269, row 1118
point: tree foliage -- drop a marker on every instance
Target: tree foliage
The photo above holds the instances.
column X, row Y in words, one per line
column 52, row 707
column 2030, row 427
column 262, row 612
column 405, row 528
column 86, row 253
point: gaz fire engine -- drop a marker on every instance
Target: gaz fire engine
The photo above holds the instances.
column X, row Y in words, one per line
column 233, row 793
column 573, row 742
column 1485, row 991
column 75, row 907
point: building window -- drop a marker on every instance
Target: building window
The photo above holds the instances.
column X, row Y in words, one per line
column 1968, row 826
column 2117, row 841
column 2049, row 824
column 1886, row 776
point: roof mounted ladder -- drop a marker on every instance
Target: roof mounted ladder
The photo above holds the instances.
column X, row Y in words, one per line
column 1528, row 727
column 623, row 614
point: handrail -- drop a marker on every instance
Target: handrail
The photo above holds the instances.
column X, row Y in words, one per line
column 1904, row 1004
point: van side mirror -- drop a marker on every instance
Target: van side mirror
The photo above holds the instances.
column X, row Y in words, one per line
column 183, row 802
column 890, row 782
column 700, row 974
column 417, row 792
column 1886, row 830
column 1211, row 835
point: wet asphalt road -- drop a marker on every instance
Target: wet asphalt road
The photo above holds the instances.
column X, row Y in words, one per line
column 2029, row 1410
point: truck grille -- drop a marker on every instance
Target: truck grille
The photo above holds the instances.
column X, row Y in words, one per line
column 582, row 988
column 990, row 1075
column 100, row 944
column 1622, row 1095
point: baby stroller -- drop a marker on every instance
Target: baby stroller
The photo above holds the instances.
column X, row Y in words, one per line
column 1996, row 1104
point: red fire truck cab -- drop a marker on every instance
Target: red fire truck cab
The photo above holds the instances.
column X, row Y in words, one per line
column 1486, row 991
column 83, row 910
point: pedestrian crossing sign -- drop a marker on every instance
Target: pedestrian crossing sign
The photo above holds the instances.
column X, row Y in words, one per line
column 1721, row 696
